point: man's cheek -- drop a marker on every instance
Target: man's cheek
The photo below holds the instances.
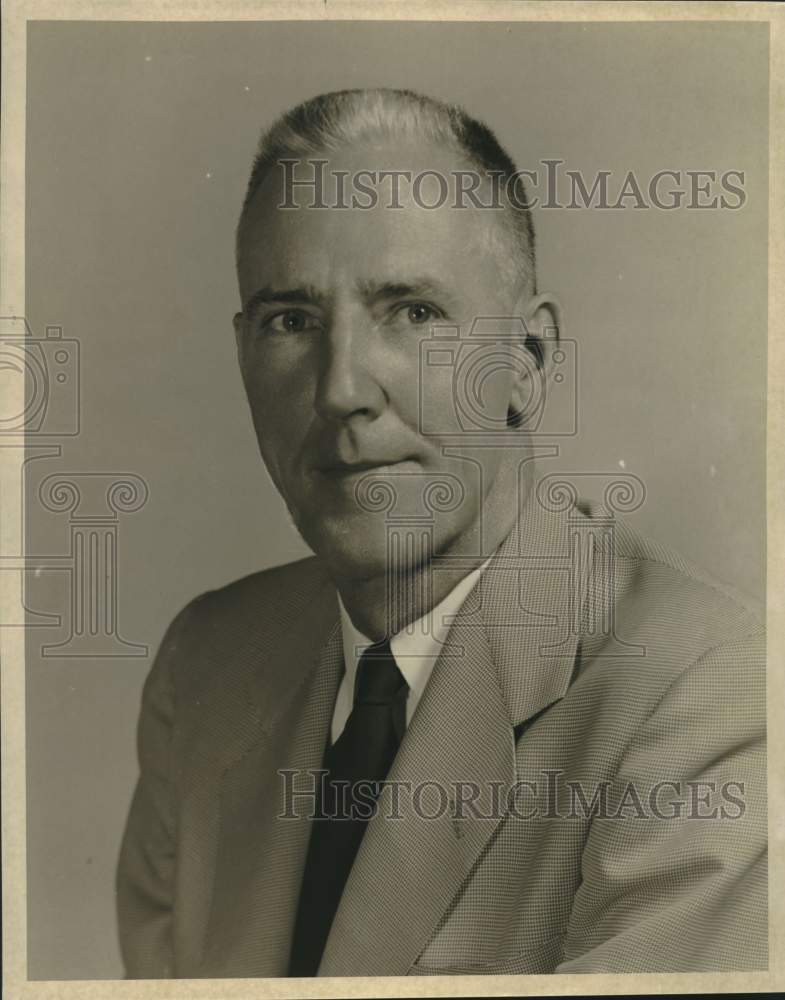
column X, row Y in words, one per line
column 436, row 402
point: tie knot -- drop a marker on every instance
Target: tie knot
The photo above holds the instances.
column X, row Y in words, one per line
column 379, row 680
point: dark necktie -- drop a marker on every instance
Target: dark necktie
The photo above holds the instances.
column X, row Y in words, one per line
column 360, row 758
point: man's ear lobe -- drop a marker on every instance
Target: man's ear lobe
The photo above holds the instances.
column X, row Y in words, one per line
column 237, row 323
column 543, row 320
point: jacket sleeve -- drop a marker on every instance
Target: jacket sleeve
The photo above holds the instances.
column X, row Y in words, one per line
column 687, row 892
column 145, row 871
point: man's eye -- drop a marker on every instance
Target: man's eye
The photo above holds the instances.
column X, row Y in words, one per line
column 291, row 321
column 418, row 313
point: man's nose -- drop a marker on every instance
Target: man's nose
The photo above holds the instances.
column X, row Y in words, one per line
column 346, row 385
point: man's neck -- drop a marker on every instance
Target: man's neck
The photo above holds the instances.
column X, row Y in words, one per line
column 382, row 605
column 378, row 613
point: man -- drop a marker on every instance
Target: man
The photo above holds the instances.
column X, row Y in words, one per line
column 484, row 729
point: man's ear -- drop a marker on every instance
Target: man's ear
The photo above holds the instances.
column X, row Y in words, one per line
column 542, row 316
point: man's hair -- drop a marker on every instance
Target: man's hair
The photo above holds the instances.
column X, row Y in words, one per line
column 334, row 121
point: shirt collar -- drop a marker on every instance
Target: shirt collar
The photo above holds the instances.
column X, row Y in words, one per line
column 417, row 646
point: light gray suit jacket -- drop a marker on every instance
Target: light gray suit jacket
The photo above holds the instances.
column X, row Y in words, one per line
column 630, row 672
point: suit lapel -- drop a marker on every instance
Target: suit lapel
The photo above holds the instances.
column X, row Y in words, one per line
column 510, row 655
column 409, row 867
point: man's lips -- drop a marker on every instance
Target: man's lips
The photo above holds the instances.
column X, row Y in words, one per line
column 338, row 469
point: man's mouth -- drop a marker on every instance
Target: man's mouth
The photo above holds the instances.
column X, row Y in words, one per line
column 341, row 470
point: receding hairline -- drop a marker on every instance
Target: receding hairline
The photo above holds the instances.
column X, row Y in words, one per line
column 346, row 119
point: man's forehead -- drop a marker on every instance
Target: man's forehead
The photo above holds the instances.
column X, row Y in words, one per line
column 371, row 254
column 382, row 164
column 414, row 224
column 375, row 212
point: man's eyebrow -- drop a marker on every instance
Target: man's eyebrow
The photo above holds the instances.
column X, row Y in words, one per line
column 304, row 295
column 371, row 291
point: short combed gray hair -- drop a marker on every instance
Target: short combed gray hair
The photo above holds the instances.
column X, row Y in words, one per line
column 343, row 118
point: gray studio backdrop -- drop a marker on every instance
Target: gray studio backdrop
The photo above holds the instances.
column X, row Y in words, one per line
column 139, row 140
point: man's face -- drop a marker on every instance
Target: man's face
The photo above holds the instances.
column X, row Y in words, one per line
column 338, row 308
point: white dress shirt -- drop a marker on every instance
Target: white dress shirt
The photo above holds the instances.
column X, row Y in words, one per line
column 415, row 648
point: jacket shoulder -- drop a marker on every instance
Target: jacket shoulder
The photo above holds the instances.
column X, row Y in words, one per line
column 254, row 611
column 657, row 621
column 671, row 663
column 684, row 592
column 269, row 593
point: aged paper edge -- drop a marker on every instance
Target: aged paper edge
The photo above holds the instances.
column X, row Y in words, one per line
column 16, row 15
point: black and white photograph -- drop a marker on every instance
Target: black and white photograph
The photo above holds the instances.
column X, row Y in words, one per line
column 388, row 544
